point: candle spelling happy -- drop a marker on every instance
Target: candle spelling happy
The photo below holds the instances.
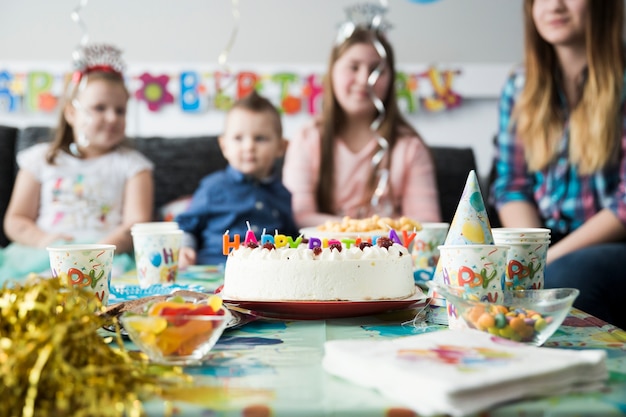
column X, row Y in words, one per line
column 280, row 240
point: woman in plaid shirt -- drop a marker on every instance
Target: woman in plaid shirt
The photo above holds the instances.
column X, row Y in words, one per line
column 561, row 148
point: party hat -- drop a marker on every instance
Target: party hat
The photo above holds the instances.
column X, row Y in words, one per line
column 470, row 225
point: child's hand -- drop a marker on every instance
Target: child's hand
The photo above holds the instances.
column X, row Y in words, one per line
column 186, row 257
column 51, row 238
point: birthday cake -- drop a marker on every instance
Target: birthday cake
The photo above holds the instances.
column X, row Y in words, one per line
column 313, row 270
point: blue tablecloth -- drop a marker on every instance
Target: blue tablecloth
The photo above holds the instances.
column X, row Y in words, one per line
column 269, row 367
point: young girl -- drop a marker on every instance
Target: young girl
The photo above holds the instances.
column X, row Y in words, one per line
column 85, row 186
column 330, row 166
column 561, row 147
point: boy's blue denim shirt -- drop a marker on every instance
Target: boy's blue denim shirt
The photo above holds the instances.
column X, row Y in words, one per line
column 226, row 200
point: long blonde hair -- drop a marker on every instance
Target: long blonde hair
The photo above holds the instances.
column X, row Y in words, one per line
column 595, row 125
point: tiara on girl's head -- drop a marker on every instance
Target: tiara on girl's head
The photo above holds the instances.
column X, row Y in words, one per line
column 97, row 57
column 366, row 16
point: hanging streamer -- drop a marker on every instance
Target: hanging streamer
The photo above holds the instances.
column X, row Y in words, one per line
column 76, row 17
column 377, row 159
column 223, row 56
column 78, row 58
column 371, row 17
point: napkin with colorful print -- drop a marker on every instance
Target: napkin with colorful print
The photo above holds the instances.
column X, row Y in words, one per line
column 459, row 372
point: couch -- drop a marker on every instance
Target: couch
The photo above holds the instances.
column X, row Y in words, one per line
column 180, row 163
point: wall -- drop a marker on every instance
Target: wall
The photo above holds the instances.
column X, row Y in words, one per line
column 481, row 37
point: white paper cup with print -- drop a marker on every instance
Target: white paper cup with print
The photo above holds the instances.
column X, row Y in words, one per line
column 479, row 269
column 425, row 252
column 437, row 307
column 154, row 226
column 88, row 266
column 508, row 235
column 156, row 255
column 525, row 264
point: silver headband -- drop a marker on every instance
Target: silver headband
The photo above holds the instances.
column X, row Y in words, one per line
column 366, row 16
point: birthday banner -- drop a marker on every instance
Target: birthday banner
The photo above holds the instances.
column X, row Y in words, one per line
column 294, row 91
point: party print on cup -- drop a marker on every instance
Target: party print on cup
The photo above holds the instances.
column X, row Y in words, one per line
column 425, row 252
column 86, row 266
column 480, row 269
column 527, row 256
column 156, row 255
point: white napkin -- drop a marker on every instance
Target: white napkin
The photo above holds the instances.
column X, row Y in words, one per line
column 458, row 372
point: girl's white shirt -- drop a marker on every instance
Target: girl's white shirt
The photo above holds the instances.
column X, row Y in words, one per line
column 82, row 197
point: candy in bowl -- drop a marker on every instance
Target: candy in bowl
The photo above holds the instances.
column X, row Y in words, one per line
column 176, row 331
column 528, row 316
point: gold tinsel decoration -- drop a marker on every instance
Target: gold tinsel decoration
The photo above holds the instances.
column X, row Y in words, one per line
column 54, row 361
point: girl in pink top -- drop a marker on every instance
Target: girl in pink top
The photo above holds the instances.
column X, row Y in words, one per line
column 328, row 166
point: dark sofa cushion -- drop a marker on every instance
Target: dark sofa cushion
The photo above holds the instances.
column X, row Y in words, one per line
column 8, row 136
column 30, row 136
column 452, row 166
column 180, row 164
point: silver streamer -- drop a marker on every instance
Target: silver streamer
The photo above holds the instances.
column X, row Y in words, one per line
column 81, row 138
column 79, row 63
column 76, row 17
column 222, row 59
column 371, row 17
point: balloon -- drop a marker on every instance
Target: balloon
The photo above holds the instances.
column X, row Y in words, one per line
column 476, row 201
column 155, row 259
column 473, row 232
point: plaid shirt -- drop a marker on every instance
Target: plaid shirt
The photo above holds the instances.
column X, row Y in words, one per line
column 564, row 198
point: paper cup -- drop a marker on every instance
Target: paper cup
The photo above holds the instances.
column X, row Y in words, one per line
column 506, row 235
column 156, row 255
column 526, row 263
column 526, row 259
column 437, row 314
column 149, row 226
column 521, row 231
column 480, row 269
column 425, row 252
column 86, row 266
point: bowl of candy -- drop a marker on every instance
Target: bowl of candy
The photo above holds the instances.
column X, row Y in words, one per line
column 527, row 316
column 177, row 331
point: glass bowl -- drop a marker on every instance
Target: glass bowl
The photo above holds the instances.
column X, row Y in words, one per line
column 180, row 339
column 528, row 316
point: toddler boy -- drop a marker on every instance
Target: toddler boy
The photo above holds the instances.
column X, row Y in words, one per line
column 248, row 190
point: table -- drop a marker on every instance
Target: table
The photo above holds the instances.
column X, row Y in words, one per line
column 273, row 368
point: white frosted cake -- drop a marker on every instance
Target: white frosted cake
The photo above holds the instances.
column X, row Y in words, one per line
column 358, row 273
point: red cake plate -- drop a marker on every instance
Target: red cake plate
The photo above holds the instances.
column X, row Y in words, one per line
column 321, row 310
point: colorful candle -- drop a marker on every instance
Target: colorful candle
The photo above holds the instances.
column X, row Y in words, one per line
column 250, row 237
column 280, row 240
column 227, row 245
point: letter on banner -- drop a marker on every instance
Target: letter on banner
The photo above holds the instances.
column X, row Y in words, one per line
column 189, row 97
column 38, row 83
column 5, row 92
